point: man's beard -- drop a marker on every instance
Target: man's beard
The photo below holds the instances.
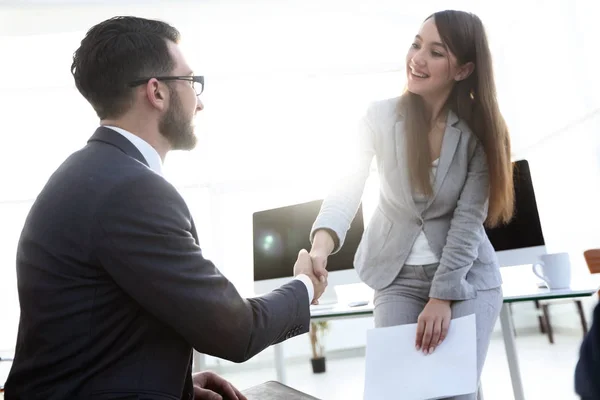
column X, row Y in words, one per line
column 176, row 127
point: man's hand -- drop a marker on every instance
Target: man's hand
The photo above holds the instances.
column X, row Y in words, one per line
column 304, row 266
column 433, row 325
column 210, row 386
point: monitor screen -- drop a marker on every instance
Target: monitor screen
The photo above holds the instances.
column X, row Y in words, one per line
column 524, row 230
column 280, row 233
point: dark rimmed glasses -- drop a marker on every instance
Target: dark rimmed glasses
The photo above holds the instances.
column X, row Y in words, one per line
column 196, row 81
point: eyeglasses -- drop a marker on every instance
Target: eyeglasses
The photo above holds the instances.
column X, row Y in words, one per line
column 197, row 81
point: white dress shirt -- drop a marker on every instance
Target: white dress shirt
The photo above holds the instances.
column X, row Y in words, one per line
column 421, row 253
column 155, row 163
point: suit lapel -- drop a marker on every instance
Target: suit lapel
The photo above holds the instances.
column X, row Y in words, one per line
column 449, row 145
column 403, row 167
column 114, row 138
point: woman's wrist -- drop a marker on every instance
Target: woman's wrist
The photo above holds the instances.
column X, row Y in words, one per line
column 322, row 242
column 440, row 301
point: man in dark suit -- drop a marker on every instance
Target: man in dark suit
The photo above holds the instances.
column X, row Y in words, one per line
column 113, row 288
column 587, row 372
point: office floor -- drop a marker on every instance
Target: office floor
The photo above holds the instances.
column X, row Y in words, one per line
column 547, row 371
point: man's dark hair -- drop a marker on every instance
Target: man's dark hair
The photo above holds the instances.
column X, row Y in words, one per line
column 116, row 52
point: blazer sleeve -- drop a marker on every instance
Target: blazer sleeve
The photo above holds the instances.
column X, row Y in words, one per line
column 465, row 233
column 340, row 206
column 143, row 239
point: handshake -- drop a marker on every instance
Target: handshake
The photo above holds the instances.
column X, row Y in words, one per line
column 314, row 264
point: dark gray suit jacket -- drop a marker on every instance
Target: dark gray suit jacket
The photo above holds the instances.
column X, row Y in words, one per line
column 587, row 371
column 115, row 292
column 452, row 218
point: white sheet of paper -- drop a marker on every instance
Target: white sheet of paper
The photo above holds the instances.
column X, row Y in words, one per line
column 396, row 370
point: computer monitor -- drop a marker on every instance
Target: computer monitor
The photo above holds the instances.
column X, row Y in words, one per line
column 521, row 241
column 280, row 233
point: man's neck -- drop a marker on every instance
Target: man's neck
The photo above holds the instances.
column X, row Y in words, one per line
column 148, row 134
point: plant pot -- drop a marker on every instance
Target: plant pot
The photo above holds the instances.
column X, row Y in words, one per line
column 318, row 365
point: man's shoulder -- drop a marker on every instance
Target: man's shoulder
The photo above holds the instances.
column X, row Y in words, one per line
column 110, row 164
column 97, row 172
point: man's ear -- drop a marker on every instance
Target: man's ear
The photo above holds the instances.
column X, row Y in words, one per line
column 464, row 72
column 156, row 94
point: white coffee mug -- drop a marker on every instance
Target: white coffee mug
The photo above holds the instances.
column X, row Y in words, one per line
column 555, row 270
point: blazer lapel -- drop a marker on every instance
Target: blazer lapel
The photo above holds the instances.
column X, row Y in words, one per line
column 112, row 137
column 403, row 167
column 449, row 145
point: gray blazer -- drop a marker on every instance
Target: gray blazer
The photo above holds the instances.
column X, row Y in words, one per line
column 452, row 218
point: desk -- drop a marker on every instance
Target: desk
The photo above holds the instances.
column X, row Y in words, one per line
column 519, row 285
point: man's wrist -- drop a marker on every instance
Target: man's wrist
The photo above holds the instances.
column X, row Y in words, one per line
column 310, row 287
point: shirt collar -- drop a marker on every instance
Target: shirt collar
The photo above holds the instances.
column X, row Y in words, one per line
column 149, row 152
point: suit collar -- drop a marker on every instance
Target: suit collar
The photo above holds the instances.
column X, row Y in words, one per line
column 449, row 145
column 451, row 120
column 109, row 136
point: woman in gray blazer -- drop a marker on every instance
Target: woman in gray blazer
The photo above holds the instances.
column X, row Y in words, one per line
column 443, row 156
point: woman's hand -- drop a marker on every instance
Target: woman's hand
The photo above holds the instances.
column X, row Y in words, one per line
column 433, row 324
column 321, row 249
column 319, row 265
column 319, row 262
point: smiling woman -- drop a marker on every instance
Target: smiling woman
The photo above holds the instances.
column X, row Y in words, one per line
column 443, row 156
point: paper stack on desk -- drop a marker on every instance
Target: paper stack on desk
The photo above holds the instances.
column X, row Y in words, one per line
column 396, row 370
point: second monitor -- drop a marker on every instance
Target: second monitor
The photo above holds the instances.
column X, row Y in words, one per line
column 521, row 241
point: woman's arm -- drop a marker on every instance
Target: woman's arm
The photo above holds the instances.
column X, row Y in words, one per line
column 339, row 208
column 465, row 234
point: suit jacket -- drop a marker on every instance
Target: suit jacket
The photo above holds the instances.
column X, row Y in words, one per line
column 587, row 372
column 452, row 218
column 115, row 292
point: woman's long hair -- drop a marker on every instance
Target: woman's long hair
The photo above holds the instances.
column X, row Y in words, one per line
column 474, row 101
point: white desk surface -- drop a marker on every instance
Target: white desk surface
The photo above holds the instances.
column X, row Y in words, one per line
column 519, row 284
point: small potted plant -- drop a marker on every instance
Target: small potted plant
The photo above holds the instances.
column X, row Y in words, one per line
column 318, row 330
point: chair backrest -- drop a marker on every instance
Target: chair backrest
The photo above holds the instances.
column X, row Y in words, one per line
column 592, row 258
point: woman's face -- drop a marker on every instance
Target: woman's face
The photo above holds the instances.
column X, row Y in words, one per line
column 431, row 68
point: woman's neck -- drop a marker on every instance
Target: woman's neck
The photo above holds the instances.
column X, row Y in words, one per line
column 436, row 108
